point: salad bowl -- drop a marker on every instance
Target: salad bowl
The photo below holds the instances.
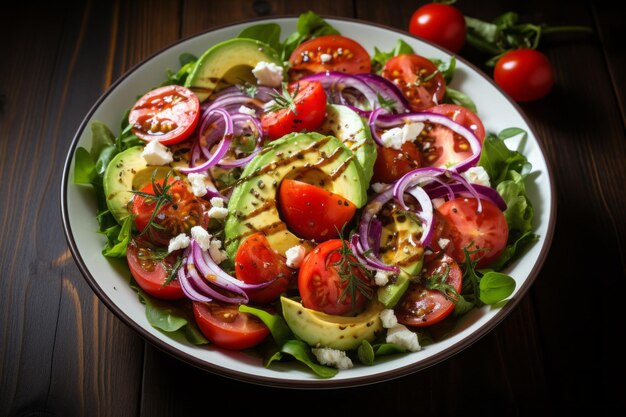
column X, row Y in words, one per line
column 109, row 279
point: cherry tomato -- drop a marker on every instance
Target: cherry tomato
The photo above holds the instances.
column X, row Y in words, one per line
column 421, row 306
column 167, row 114
column 308, row 112
column 524, row 74
column 323, row 289
column 174, row 217
column 441, row 24
column 329, row 53
column 151, row 273
column 391, row 164
column 462, row 116
column 441, row 147
column 225, row 326
column 312, row 212
column 487, row 231
column 418, row 79
column 256, row 263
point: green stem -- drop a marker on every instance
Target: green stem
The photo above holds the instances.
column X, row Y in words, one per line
column 561, row 29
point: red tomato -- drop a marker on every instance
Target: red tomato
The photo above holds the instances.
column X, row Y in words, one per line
column 256, row 263
column 441, row 24
column 487, row 230
column 524, row 74
column 151, row 274
column 462, row 116
column 167, row 114
column 329, row 53
column 413, row 74
column 225, row 326
column 175, row 217
column 312, row 212
column 441, row 147
column 391, row 164
column 421, row 306
column 308, row 111
column 322, row 288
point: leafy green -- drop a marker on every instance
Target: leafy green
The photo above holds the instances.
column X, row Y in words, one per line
column 118, row 238
column 457, row 97
column 281, row 332
column 187, row 64
column 268, row 33
column 498, row 159
column 170, row 317
column 302, row 352
column 380, row 58
column 495, row 287
column 367, row 353
column 445, row 68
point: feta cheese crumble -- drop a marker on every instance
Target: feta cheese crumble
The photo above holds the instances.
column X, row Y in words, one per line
column 216, row 252
column 268, row 73
column 201, row 236
column 477, row 175
column 247, row 110
column 388, row 318
column 398, row 136
column 403, row 337
column 332, row 357
column 199, row 183
column 157, row 154
column 179, row 242
column 325, row 58
column 443, row 242
column 381, row 278
column 218, row 211
column 295, row 256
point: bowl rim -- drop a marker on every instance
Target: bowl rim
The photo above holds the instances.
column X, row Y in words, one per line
column 283, row 382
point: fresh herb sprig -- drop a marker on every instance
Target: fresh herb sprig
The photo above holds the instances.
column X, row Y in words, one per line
column 160, row 198
column 285, row 100
column 438, row 282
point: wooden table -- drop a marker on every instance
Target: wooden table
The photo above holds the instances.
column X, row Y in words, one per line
column 62, row 352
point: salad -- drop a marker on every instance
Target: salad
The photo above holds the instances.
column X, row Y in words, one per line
column 308, row 200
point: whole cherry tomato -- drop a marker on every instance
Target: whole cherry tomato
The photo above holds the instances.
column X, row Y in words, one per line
column 524, row 74
column 441, row 24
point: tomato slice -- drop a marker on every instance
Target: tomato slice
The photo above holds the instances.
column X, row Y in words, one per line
column 421, row 306
column 225, row 326
column 167, row 114
column 441, row 147
column 391, row 164
column 329, row 53
column 487, row 231
column 256, row 263
column 151, row 273
column 312, row 212
column 418, row 79
column 174, row 217
column 462, row 116
column 307, row 113
column 323, row 289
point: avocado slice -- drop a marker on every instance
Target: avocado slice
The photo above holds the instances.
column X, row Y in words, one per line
column 309, row 157
column 127, row 172
column 401, row 246
column 346, row 125
column 336, row 332
column 229, row 62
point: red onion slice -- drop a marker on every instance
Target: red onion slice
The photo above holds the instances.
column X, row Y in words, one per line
column 187, row 288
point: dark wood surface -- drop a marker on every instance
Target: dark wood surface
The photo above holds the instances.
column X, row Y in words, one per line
column 62, row 352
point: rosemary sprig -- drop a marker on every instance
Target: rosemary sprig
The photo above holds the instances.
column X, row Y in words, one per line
column 285, row 100
column 437, row 281
column 160, row 198
column 174, row 271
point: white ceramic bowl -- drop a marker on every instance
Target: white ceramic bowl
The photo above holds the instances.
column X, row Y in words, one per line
column 109, row 279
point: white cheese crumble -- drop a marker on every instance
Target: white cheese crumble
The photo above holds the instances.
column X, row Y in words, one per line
column 295, row 256
column 179, row 242
column 201, row 236
column 215, row 251
column 199, row 183
column 380, row 187
column 325, row 57
column 443, row 242
column 477, row 175
column 217, row 202
column 247, row 110
column 381, row 278
column 157, row 154
column 268, row 73
column 396, row 137
column 388, row 318
column 411, row 131
column 403, row 337
column 218, row 213
column 332, row 357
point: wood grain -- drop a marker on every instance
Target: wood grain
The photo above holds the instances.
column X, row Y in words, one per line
column 62, row 352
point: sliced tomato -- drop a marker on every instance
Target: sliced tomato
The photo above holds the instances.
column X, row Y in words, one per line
column 306, row 112
column 167, row 114
column 179, row 215
column 441, row 147
column 151, row 273
column 462, row 116
column 419, row 80
column 329, row 53
column 391, row 164
column 486, row 232
column 312, row 212
column 256, row 263
column 422, row 306
column 323, row 289
column 225, row 326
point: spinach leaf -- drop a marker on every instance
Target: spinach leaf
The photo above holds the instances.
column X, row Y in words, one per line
column 118, row 238
column 187, row 64
column 445, row 68
column 367, row 353
column 302, row 352
column 380, row 58
column 309, row 25
column 495, row 287
column 268, row 33
column 277, row 325
column 457, row 97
